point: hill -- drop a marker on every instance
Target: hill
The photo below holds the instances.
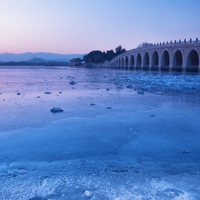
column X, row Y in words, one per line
column 37, row 60
column 7, row 57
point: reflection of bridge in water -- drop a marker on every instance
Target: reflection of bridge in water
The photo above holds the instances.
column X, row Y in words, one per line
column 169, row 56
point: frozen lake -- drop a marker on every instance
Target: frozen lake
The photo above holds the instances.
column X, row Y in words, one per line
column 123, row 135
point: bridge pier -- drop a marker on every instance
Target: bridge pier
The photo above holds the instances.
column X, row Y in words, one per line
column 184, row 64
column 159, row 66
column 184, row 70
column 150, row 62
column 159, row 61
column 171, row 67
column 142, row 64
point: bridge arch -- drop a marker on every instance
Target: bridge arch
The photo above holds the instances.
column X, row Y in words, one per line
column 177, row 61
column 192, row 61
column 155, row 58
column 126, row 62
column 176, row 56
column 138, row 62
column 165, row 61
column 146, row 61
column 132, row 62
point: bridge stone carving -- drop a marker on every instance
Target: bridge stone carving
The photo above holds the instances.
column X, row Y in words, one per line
column 169, row 56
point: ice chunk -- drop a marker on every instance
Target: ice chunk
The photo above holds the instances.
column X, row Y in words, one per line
column 87, row 194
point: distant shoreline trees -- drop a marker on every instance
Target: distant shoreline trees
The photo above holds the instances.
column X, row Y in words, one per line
column 101, row 57
column 23, row 63
column 144, row 44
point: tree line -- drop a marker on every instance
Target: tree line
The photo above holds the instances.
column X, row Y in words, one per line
column 101, row 57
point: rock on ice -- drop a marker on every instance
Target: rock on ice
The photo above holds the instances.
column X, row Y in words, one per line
column 72, row 82
column 55, row 110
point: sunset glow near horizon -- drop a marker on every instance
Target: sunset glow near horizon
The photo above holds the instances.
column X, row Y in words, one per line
column 77, row 26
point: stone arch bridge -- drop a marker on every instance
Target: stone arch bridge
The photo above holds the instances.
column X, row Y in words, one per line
column 169, row 56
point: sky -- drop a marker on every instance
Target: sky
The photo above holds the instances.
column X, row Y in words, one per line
column 80, row 26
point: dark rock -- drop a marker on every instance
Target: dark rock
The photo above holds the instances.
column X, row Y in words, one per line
column 193, row 88
column 37, row 198
column 72, row 83
column 129, row 86
column 55, row 110
column 159, row 93
column 185, row 152
column 47, row 92
column 120, row 171
column 108, row 107
column 18, row 93
column 92, row 104
column 140, row 92
column 12, row 175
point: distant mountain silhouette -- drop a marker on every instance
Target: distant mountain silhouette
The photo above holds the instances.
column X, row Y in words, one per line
column 37, row 60
column 6, row 57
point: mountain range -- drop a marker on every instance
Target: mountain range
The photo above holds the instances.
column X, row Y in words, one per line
column 7, row 57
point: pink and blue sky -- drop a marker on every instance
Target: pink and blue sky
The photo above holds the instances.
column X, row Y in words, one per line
column 80, row 26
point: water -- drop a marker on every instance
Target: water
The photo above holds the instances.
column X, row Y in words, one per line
column 146, row 146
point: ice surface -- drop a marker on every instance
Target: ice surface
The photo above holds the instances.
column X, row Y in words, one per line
column 145, row 147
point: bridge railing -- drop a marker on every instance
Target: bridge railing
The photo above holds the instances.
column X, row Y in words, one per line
column 168, row 43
